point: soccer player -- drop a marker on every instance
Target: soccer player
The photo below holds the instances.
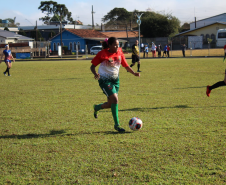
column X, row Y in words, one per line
column 135, row 56
column 8, row 56
column 218, row 84
column 110, row 60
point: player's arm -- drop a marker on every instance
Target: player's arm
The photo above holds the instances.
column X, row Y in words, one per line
column 1, row 58
column 129, row 69
column 12, row 57
column 93, row 70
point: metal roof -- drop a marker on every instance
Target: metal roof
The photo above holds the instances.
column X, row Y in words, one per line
column 8, row 35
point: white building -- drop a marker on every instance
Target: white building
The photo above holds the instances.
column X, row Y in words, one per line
column 7, row 37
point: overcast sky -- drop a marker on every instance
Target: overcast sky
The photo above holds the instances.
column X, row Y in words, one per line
column 27, row 12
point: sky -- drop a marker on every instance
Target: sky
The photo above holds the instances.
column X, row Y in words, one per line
column 27, row 12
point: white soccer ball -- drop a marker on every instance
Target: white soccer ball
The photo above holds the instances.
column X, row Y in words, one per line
column 135, row 123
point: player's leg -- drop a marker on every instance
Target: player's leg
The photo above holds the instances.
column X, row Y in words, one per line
column 133, row 60
column 216, row 85
column 8, row 64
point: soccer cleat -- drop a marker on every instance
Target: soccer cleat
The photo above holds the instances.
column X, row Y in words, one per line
column 138, row 71
column 208, row 91
column 119, row 129
column 95, row 112
column 4, row 73
column 9, row 75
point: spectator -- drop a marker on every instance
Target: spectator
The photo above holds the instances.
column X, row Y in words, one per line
column 142, row 47
column 168, row 49
column 165, row 50
column 159, row 50
column 153, row 49
column 183, row 47
column 146, row 50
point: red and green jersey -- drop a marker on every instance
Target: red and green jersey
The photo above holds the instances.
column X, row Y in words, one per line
column 109, row 63
column 225, row 48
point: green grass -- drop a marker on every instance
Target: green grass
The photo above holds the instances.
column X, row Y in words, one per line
column 48, row 134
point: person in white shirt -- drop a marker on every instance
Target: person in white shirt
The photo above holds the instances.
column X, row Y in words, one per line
column 153, row 49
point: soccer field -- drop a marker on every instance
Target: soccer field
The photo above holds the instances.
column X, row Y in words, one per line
column 48, row 134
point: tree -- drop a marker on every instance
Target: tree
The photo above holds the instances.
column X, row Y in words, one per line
column 59, row 11
column 39, row 35
column 118, row 18
column 157, row 25
column 7, row 29
column 47, row 7
column 22, row 32
column 52, row 34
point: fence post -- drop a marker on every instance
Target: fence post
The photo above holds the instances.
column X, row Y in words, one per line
column 77, row 51
column 86, row 51
column 208, row 48
column 171, row 47
column 190, row 49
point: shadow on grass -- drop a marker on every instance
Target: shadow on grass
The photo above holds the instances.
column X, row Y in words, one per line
column 191, row 87
column 63, row 79
column 154, row 108
column 57, row 132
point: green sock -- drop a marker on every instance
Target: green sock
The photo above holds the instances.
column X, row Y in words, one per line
column 98, row 107
column 114, row 110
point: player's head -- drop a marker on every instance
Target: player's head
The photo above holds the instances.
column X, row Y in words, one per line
column 136, row 42
column 112, row 43
column 7, row 46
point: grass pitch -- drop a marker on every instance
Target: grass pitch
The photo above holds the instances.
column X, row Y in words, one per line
column 48, row 134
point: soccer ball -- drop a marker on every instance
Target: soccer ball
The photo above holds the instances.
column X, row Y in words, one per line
column 135, row 123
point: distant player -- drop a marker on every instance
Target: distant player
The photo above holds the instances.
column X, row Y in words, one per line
column 110, row 59
column 8, row 56
column 218, row 84
column 135, row 56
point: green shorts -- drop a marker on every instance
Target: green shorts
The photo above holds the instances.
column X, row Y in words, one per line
column 109, row 87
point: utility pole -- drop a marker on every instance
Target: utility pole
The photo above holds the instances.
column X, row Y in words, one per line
column 92, row 17
column 139, row 23
column 36, row 31
column 61, row 35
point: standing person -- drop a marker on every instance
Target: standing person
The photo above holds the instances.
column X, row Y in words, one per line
column 218, row 84
column 135, row 56
column 146, row 50
column 165, row 50
column 110, row 60
column 159, row 51
column 168, row 49
column 153, row 49
column 142, row 47
column 183, row 47
column 8, row 56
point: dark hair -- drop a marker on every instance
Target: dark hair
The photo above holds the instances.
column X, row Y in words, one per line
column 110, row 41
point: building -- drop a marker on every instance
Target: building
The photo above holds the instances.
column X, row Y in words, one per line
column 46, row 30
column 129, row 36
column 7, row 37
column 11, row 29
column 207, row 28
column 73, row 38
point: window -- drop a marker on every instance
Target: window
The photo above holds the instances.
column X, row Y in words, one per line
column 70, row 46
column 222, row 35
column 78, row 45
column 74, row 45
column 207, row 36
column 213, row 37
column 54, row 47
